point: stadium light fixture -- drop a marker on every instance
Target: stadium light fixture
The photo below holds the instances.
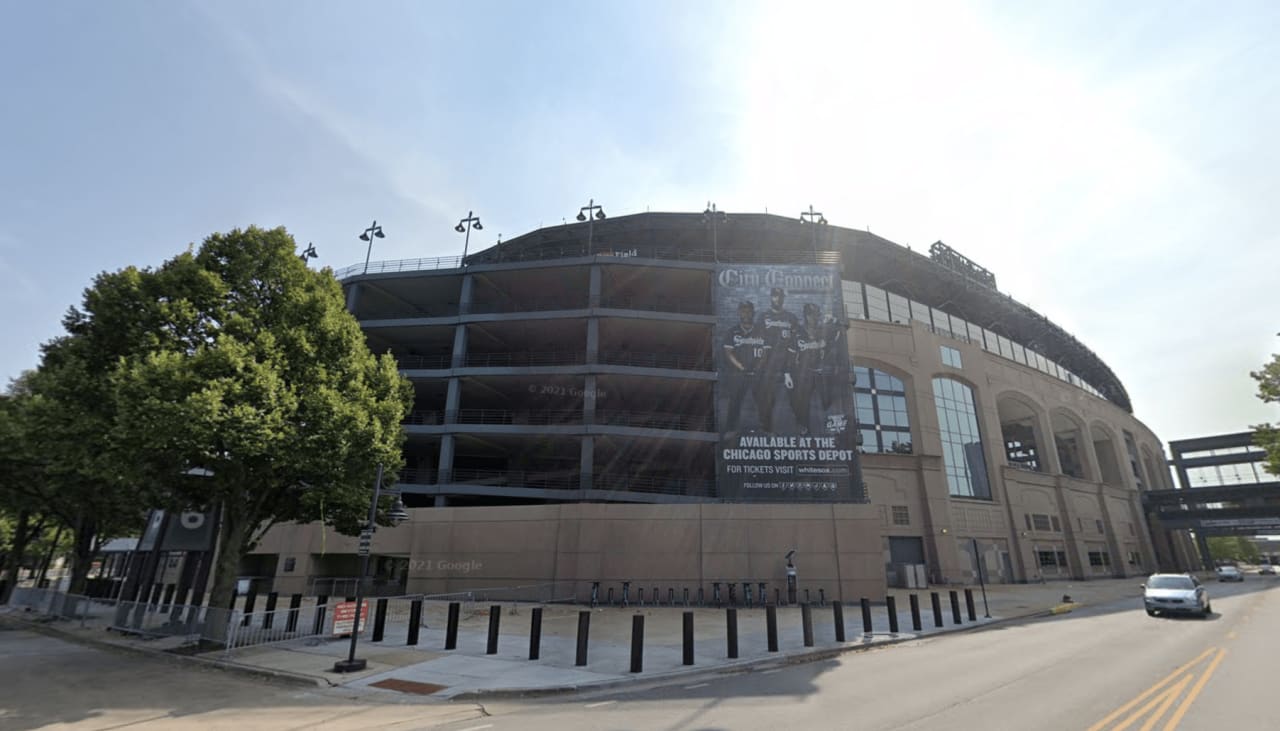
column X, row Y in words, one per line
column 713, row 218
column 817, row 219
column 373, row 232
column 308, row 253
column 464, row 226
column 590, row 213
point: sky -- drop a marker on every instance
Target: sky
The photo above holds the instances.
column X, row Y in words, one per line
column 1113, row 164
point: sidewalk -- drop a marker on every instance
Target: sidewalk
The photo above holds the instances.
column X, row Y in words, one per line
column 426, row 670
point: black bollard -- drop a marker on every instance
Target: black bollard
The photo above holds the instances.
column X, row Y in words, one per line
column 968, row 603
column 495, row 616
column 415, row 621
column 955, row 608
column 637, row 643
column 837, row 612
column 451, row 627
column 688, row 638
column 295, row 603
column 771, row 626
column 806, row 623
column 269, row 617
column 892, row 606
column 248, row 608
column 915, row 613
column 535, row 634
column 866, row 616
column 318, row 627
column 937, row 608
column 379, row 619
column 584, row 629
column 731, row 632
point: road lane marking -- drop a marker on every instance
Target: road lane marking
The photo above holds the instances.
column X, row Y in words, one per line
column 476, row 728
column 1149, row 691
column 1164, row 700
column 1195, row 691
column 696, row 685
column 601, row 703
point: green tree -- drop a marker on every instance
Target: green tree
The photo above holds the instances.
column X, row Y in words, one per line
column 1266, row 435
column 1233, row 548
column 241, row 364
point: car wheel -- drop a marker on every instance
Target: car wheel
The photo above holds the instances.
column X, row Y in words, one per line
column 1208, row 609
column 1151, row 612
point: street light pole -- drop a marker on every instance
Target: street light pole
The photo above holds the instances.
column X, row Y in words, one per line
column 584, row 214
column 977, row 559
column 373, row 232
column 471, row 221
column 815, row 218
column 310, row 253
column 397, row 515
column 712, row 217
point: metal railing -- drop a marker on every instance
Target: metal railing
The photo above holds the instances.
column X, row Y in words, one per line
column 522, row 416
column 656, row 360
column 399, row 265
column 656, row 420
column 418, row 476
column 537, row 304
column 434, row 361
column 428, row 418
column 687, row 307
column 524, row 359
column 558, row 480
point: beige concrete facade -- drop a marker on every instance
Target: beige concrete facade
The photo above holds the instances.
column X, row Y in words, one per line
column 570, row 546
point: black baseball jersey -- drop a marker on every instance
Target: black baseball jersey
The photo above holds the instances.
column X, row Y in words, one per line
column 747, row 345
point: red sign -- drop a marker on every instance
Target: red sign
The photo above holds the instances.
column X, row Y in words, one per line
column 344, row 617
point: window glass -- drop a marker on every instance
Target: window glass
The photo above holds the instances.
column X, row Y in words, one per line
column 899, row 311
column 941, row 322
column 1019, row 354
column 921, row 312
column 963, row 457
column 991, row 341
column 853, row 300
column 1006, row 347
column 959, row 328
column 877, row 304
column 975, row 335
column 951, row 357
column 883, row 423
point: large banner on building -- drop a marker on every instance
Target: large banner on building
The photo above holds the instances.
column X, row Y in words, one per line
column 784, row 396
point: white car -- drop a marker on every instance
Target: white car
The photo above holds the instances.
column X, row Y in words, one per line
column 1230, row 573
column 1175, row 594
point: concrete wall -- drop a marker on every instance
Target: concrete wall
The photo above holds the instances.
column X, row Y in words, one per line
column 838, row 548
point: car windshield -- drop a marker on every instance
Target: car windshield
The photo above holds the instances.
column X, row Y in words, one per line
column 1170, row 582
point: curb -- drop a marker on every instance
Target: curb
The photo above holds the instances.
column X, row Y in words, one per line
column 51, row 629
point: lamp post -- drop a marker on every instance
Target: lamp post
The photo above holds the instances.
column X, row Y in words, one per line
column 471, row 221
column 310, row 253
column 713, row 218
column 373, row 232
column 977, row 558
column 815, row 218
column 396, row 515
column 585, row 214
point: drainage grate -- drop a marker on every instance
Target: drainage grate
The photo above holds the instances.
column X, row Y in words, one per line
column 408, row 686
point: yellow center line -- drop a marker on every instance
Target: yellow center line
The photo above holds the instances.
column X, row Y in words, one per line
column 1168, row 679
column 1170, row 696
column 1195, row 691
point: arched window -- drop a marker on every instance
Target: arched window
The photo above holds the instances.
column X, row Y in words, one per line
column 962, row 454
column 880, row 402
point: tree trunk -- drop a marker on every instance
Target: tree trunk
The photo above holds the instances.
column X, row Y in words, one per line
column 48, row 557
column 13, row 562
column 86, row 531
column 233, row 535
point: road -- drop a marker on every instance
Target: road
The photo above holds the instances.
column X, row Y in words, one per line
column 1107, row 668
column 47, row 683
column 1103, row 669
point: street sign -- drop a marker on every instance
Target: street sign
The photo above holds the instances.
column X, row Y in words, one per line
column 344, row 617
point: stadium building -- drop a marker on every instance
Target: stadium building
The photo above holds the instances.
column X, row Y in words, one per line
column 676, row 400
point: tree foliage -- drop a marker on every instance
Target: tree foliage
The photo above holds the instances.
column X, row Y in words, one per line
column 1233, row 548
column 238, row 362
column 1266, row 435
